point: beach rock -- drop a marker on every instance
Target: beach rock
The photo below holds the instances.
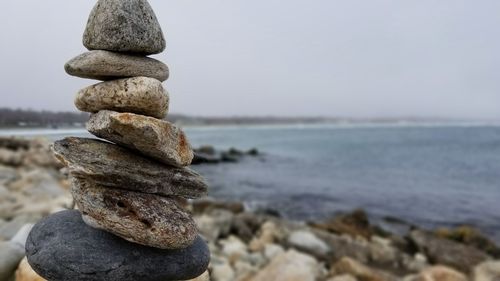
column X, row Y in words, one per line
column 269, row 233
column 233, row 248
column 141, row 218
column 222, row 271
column 11, row 254
column 360, row 271
column 24, row 272
column 14, row 143
column 124, row 26
column 246, row 225
column 342, row 277
column 272, row 250
column 115, row 167
column 447, row 252
column 201, row 158
column 382, row 251
column 7, row 174
column 11, row 158
column 63, row 247
column 470, row 236
column 207, row 204
column 204, row 277
column 346, row 246
column 104, row 65
column 158, row 139
column 438, row 273
column 9, row 229
column 290, row 266
column 307, row 242
column 22, row 235
column 355, row 223
column 244, row 270
column 141, row 95
column 215, row 224
column 487, row 271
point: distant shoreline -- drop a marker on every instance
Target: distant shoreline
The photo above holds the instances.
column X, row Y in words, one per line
column 31, row 119
column 40, row 131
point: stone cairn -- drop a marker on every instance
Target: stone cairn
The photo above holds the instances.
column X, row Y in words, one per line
column 130, row 190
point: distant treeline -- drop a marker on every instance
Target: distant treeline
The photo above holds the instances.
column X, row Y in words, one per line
column 13, row 118
column 30, row 118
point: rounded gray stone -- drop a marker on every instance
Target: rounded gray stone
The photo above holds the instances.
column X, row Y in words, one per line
column 124, row 26
column 62, row 247
column 105, row 65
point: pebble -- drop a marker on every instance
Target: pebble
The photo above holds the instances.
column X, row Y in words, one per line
column 141, row 218
column 141, row 95
column 158, row 139
column 24, row 272
column 10, row 256
column 290, row 266
column 105, row 65
column 63, row 247
column 111, row 166
column 124, row 26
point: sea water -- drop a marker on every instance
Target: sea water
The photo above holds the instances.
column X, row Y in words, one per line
column 428, row 175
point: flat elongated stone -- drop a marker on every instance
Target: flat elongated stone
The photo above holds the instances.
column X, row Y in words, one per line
column 152, row 137
column 112, row 166
column 146, row 219
column 124, row 26
column 104, row 65
column 141, row 95
column 62, row 247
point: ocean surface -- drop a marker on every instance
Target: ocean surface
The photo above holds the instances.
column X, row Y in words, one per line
column 427, row 175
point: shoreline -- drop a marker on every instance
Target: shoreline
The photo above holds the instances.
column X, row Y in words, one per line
column 41, row 131
column 248, row 244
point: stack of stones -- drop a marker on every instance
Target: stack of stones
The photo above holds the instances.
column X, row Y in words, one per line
column 130, row 189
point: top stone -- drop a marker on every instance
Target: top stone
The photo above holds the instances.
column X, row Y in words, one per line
column 124, row 26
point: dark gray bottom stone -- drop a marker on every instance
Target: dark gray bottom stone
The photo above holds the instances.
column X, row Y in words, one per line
column 62, row 247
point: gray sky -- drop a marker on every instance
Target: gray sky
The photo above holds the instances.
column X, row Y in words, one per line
column 371, row 58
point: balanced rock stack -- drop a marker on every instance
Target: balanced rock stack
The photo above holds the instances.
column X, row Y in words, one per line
column 129, row 189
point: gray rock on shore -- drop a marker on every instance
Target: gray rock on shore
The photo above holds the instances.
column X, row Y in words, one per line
column 158, row 139
column 141, row 95
column 63, row 247
column 448, row 252
column 105, row 65
column 146, row 219
column 112, row 166
column 124, row 26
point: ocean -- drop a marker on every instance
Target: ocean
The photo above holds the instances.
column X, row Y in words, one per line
column 428, row 175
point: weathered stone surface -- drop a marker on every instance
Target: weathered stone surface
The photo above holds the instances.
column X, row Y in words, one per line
column 438, row 273
column 360, row 271
column 152, row 137
column 112, row 166
column 141, row 95
column 105, row 65
column 124, row 26
column 290, row 266
column 10, row 256
column 487, row 271
column 146, row 219
column 447, row 252
column 63, row 247
column 308, row 242
column 24, row 272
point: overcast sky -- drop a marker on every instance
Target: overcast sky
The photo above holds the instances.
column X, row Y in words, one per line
column 371, row 58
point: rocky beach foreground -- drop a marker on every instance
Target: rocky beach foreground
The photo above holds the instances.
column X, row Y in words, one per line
column 244, row 245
